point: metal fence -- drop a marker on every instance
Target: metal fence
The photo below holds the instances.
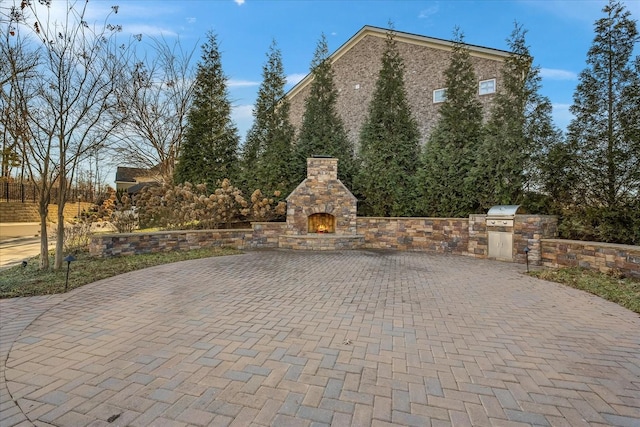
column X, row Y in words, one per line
column 28, row 193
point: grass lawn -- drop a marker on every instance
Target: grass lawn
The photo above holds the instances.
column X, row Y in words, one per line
column 29, row 281
column 622, row 291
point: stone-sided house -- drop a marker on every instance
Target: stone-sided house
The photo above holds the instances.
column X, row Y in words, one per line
column 357, row 62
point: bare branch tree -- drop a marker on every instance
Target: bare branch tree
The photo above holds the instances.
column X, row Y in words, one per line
column 153, row 106
column 20, row 60
column 66, row 107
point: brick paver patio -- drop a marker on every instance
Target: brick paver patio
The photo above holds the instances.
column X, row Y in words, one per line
column 310, row 339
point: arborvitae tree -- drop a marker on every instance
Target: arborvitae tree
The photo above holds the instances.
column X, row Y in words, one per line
column 604, row 136
column 267, row 154
column 322, row 130
column 558, row 179
column 209, row 152
column 389, row 142
column 605, row 133
column 444, row 185
column 516, row 133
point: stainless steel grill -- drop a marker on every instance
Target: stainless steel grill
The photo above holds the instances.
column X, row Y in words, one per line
column 500, row 221
column 502, row 215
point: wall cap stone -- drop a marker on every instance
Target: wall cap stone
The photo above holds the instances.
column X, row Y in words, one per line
column 411, row 218
column 592, row 243
column 159, row 232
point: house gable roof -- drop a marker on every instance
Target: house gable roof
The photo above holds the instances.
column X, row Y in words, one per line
column 125, row 174
column 435, row 43
column 134, row 189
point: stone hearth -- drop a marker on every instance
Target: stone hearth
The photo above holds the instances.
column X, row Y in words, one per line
column 321, row 211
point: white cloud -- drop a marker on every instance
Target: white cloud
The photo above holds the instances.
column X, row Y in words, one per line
column 294, row 79
column 428, row 12
column 242, row 116
column 239, row 2
column 241, row 83
column 191, row 20
column 240, row 112
column 555, row 74
column 148, row 30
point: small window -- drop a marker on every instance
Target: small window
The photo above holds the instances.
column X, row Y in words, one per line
column 439, row 95
column 487, row 86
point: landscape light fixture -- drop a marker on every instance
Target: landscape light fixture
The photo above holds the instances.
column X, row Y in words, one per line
column 68, row 259
column 526, row 256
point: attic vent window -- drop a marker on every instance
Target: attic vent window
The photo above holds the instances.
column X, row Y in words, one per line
column 439, row 95
column 487, row 86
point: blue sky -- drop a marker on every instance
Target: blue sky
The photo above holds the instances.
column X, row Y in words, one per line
column 559, row 33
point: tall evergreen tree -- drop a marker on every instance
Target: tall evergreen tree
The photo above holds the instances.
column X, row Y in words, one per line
column 389, row 142
column 209, row 151
column 605, row 133
column 267, row 154
column 604, row 136
column 518, row 129
column 444, row 185
column 322, row 130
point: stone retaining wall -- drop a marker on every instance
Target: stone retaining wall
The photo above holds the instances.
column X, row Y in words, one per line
column 265, row 234
column 321, row 242
column 478, row 239
column 28, row 212
column 443, row 235
column 458, row 236
column 108, row 245
column 528, row 230
column 603, row 257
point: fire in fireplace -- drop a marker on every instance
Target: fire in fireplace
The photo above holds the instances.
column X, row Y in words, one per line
column 322, row 223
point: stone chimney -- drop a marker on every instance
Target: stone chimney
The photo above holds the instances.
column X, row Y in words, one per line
column 322, row 168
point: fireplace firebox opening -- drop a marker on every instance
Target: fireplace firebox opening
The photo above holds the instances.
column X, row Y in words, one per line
column 322, row 223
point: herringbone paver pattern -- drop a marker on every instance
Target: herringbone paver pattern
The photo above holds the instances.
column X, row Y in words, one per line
column 315, row 339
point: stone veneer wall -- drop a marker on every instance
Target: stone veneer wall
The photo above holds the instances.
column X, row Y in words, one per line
column 528, row 230
column 440, row 235
column 478, row 237
column 356, row 73
column 266, row 234
column 443, row 235
column 603, row 257
column 108, row 245
column 321, row 242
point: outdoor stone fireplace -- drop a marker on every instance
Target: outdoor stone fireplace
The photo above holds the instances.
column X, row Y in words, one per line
column 321, row 211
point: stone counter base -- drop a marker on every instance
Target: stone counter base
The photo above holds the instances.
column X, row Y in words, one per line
column 321, row 242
